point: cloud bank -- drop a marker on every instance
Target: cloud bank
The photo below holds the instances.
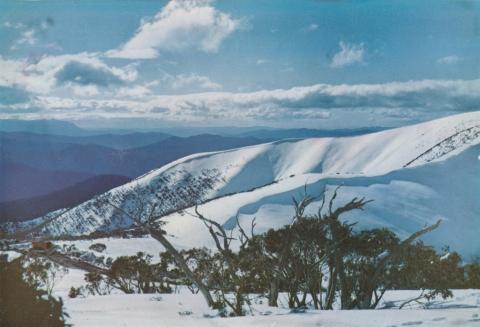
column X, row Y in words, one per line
column 398, row 101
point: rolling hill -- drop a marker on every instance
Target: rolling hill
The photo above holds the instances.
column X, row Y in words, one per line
column 416, row 174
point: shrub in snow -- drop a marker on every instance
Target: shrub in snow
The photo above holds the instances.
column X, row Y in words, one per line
column 74, row 292
column 131, row 274
column 89, row 257
column 98, row 247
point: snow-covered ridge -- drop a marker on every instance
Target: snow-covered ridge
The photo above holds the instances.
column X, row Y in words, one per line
column 201, row 177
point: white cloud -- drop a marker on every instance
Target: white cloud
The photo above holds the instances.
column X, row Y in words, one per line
column 262, row 61
column 16, row 26
column 193, row 80
column 85, row 90
column 186, row 24
column 449, row 60
column 136, row 91
column 29, row 33
column 348, row 55
column 26, row 38
column 312, row 27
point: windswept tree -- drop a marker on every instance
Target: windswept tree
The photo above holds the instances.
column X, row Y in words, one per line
column 229, row 275
column 146, row 217
column 358, row 266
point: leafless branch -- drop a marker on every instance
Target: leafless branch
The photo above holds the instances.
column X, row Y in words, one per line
column 334, row 196
column 384, row 260
column 219, row 232
column 322, row 204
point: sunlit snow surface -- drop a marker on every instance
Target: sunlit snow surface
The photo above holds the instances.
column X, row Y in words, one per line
column 415, row 175
column 169, row 310
column 185, row 309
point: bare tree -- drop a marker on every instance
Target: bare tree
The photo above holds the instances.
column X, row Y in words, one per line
column 230, row 279
column 151, row 225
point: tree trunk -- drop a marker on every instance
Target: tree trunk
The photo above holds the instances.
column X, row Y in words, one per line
column 238, row 304
column 314, row 296
column 273, row 293
column 345, row 294
column 303, row 302
column 338, row 262
column 365, row 301
column 332, row 287
column 291, row 299
column 158, row 235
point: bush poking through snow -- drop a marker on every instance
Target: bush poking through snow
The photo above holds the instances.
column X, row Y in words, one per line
column 98, row 247
column 133, row 274
column 74, row 292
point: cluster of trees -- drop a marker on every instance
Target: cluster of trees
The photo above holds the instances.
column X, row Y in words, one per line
column 24, row 300
column 132, row 274
column 318, row 260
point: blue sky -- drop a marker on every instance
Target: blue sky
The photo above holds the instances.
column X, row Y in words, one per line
column 320, row 64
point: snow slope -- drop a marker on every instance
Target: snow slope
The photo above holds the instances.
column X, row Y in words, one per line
column 416, row 174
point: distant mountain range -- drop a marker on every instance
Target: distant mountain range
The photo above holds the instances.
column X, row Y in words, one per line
column 53, row 127
column 19, row 181
column 68, row 197
column 48, row 153
column 115, row 141
column 112, row 137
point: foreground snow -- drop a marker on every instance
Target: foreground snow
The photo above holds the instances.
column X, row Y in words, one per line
column 186, row 309
column 189, row 310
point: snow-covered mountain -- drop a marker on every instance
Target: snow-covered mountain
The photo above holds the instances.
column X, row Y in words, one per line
column 415, row 174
